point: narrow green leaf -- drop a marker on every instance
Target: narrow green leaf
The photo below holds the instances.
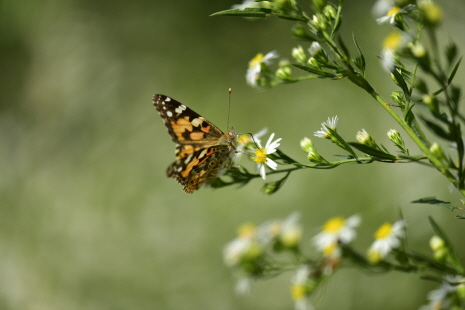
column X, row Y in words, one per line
column 344, row 49
column 433, row 201
column 284, row 157
column 451, row 52
column 438, row 130
column 359, row 60
column 299, row 18
column 247, row 12
column 400, row 81
column 371, row 151
column 321, row 74
column 454, row 71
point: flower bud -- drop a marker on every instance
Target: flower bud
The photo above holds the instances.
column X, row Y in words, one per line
column 299, row 54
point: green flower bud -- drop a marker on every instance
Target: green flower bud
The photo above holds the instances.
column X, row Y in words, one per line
column 299, row 55
column 431, row 13
column 432, row 103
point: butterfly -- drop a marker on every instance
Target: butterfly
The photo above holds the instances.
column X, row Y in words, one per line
column 203, row 152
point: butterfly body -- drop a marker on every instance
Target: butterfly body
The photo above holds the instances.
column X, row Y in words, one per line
column 203, row 152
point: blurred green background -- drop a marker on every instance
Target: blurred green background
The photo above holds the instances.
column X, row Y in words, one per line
column 88, row 219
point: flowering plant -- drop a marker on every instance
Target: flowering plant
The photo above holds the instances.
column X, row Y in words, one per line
column 413, row 58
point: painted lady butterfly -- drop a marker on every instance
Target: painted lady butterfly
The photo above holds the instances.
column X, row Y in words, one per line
column 203, row 151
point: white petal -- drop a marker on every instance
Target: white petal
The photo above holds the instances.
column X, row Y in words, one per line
column 269, row 140
column 269, row 56
column 273, row 165
column 262, row 171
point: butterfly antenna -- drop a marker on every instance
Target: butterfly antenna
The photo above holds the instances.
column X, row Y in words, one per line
column 229, row 107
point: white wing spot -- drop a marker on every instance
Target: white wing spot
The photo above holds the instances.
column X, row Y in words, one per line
column 180, row 109
column 169, row 113
column 202, row 154
column 188, row 159
column 196, row 122
column 168, row 99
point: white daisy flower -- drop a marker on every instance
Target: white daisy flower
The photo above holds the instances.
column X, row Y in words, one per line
column 245, row 140
column 246, row 4
column 291, row 231
column 300, row 288
column 261, row 158
column 387, row 238
column 336, row 231
column 255, row 66
column 392, row 12
column 331, row 123
column 244, row 246
column 314, row 48
column 394, row 42
column 438, row 298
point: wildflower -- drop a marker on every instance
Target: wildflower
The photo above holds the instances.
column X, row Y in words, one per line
column 317, row 54
column 336, row 231
column 438, row 299
column 315, row 47
column 244, row 247
column 285, row 70
column 387, row 238
column 291, row 232
column 394, row 12
column 364, row 138
column 300, row 288
column 299, row 54
column 438, row 152
column 431, row 13
column 261, row 155
column 246, row 4
column 391, row 45
column 330, row 123
column 396, row 138
column 255, row 66
column 440, row 250
column 246, row 141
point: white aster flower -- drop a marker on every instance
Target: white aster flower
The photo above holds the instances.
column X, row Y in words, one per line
column 391, row 13
column 261, row 158
column 331, row 123
column 255, row 66
column 336, row 231
column 314, row 48
column 300, row 288
column 387, row 238
column 244, row 246
column 291, row 231
column 246, row 4
column 245, row 140
column 438, row 298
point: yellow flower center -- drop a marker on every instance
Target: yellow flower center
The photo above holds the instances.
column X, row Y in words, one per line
column 260, row 156
column 384, row 231
column 374, row 257
column 297, row 292
column 246, row 230
column 333, row 225
column 256, row 60
column 328, row 251
column 393, row 41
column 393, row 11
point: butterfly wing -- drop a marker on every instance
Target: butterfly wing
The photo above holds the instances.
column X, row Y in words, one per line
column 200, row 167
column 203, row 151
column 187, row 128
